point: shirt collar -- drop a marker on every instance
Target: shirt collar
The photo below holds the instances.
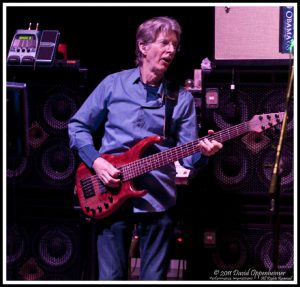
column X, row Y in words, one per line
column 135, row 78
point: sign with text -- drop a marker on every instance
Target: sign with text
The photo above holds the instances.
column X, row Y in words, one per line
column 286, row 29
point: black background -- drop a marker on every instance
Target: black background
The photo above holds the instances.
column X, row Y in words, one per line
column 103, row 38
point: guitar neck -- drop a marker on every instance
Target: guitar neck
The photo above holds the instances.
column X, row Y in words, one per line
column 171, row 155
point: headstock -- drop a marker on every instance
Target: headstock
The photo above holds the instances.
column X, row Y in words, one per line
column 259, row 123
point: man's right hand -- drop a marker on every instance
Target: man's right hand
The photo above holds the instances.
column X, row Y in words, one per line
column 107, row 172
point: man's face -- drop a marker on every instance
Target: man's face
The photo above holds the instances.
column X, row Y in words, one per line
column 160, row 54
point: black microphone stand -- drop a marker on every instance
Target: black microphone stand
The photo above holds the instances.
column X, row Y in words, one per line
column 276, row 177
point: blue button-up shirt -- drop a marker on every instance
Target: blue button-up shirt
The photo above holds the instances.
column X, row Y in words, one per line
column 122, row 104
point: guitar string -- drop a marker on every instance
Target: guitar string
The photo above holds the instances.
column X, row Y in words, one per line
column 149, row 163
column 156, row 160
column 143, row 165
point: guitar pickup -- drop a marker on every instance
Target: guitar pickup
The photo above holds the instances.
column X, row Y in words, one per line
column 87, row 187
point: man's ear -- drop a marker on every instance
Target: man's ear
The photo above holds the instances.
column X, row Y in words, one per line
column 143, row 48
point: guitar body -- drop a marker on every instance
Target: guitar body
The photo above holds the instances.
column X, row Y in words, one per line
column 97, row 200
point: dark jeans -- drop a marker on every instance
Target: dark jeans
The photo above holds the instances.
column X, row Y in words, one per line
column 155, row 231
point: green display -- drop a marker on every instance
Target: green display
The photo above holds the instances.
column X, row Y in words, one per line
column 25, row 37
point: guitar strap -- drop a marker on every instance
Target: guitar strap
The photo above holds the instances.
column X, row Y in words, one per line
column 170, row 97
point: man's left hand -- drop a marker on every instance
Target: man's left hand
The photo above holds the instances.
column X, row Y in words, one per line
column 209, row 147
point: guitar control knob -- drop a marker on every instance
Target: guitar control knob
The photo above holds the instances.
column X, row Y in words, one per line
column 110, row 198
column 106, row 205
column 99, row 208
column 93, row 211
column 87, row 208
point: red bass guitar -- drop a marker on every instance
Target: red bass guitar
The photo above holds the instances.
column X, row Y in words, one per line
column 98, row 201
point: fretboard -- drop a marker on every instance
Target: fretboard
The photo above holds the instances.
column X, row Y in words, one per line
column 146, row 164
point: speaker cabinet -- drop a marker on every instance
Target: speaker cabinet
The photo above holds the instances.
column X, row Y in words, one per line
column 245, row 165
column 244, row 252
column 39, row 249
column 47, row 173
column 229, row 199
column 40, row 245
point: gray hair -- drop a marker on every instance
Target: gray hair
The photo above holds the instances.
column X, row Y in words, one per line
column 148, row 31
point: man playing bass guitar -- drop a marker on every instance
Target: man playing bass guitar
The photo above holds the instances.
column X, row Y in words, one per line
column 131, row 104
